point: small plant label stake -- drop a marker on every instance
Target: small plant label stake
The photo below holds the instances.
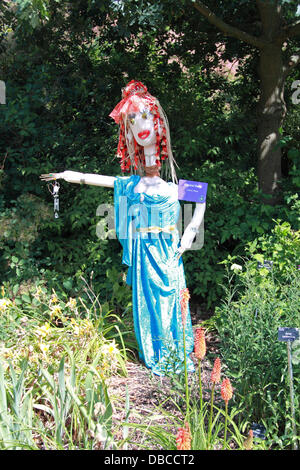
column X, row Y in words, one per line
column 268, row 264
column 289, row 335
column 259, row 431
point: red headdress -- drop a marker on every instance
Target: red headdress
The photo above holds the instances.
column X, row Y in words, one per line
column 132, row 155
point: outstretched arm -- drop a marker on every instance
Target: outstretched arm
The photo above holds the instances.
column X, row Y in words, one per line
column 191, row 230
column 81, row 178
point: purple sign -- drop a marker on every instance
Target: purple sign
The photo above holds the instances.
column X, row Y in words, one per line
column 193, row 191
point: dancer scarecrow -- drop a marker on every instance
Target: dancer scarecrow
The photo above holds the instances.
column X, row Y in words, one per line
column 146, row 212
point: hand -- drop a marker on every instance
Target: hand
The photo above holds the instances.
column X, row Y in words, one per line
column 179, row 251
column 50, row 176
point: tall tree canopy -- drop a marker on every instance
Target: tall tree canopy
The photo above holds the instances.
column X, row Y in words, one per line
column 268, row 30
column 275, row 38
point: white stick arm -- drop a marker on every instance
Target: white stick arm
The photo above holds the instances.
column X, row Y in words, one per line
column 190, row 231
column 86, row 178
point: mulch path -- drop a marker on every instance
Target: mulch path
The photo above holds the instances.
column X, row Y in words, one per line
column 147, row 392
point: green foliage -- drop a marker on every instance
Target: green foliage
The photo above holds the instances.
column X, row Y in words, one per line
column 55, row 358
column 16, row 417
column 64, row 64
column 256, row 304
column 59, row 95
column 233, row 220
column 282, row 246
column 68, row 403
column 56, row 413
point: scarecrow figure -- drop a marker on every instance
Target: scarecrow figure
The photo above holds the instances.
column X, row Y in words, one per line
column 146, row 212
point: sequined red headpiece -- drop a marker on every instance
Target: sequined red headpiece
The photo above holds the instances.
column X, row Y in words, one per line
column 133, row 95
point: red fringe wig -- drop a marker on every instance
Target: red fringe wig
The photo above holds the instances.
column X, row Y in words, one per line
column 135, row 95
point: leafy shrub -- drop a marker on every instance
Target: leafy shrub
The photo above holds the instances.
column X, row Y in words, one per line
column 257, row 303
column 56, row 354
column 235, row 222
column 59, row 96
column 45, row 324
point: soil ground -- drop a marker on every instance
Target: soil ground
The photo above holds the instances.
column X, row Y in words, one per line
column 149, row 395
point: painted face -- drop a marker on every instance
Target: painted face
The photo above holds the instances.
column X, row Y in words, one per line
column 142, row 126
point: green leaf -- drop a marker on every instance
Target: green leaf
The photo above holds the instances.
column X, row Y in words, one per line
column 26, row 298
column 259, row 257
column 296, row 352
column 68, row 284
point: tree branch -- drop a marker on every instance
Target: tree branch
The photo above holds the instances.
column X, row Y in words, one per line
column 227, row 28
column 292, row 30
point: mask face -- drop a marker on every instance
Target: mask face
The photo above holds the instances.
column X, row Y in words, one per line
column 142, row 126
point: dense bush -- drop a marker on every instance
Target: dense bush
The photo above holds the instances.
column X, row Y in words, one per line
column 257, row 302
column 63, row 78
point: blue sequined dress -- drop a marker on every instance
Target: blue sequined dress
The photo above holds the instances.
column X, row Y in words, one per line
column 155, row 274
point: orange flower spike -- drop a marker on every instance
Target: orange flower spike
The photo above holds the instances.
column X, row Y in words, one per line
column 216, row 372
column 226, row 390
column 200, row 343
column 184, row 299
column 183, row 312
column 185, row 295
column 183, row 438
column 248, row 443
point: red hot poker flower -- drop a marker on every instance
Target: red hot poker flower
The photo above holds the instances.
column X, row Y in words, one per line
column 216, row 372
column 185, row 295
column 200, row 343
column 184, row 300
column 248, row 443
column 226, row 390
column 183, row 438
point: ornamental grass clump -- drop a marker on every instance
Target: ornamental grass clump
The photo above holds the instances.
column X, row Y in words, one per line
column 54, row 363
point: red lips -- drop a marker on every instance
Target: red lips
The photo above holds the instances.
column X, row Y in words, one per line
column 144, row 134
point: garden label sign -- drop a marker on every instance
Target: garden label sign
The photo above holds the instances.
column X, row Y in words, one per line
column 259, row 431
column 266, row 264
column 289, row 335
column 193, row 191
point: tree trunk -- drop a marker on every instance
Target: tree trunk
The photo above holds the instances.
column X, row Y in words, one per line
column 271, row 107
column 271, row 110
column 272, row 72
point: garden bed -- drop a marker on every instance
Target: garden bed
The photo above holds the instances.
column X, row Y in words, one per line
column 149, row 394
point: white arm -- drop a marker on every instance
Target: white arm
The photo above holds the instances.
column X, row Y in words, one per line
column 81, row 178
column 190, row 231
